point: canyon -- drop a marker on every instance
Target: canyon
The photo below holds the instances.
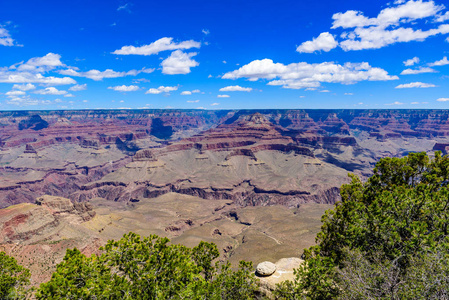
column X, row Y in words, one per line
column 254, row 182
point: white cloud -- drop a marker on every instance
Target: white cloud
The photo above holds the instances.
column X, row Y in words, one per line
column 78, row 87
column 442, row 62
column 418, row 71
column 99, row 75
column 223, row 96
column 414, row 103
column 5, row 37
column 349, row 94
column 27, row 77
column 395, row 103
column 162, row 89
column 179, row 63
column 190, row 92
column 442, row 17
column 214, row 104
column 305, row 75
column 443, row 99
column 325, row 41
column 415, row 85
column 205, row 31
column 30, row 72
column 41, row 64
column 193, row 101
column 163, row 44
column 50, row 91
column 411, row 61
column 124, row 88
column 124, row 7
column 15, row 93
column 68, row 96
column 392, row 25
column 24, row 101
column 24, row 87
column 235, row 88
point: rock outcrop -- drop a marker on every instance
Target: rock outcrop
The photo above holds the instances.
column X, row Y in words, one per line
column 265, row 268
column 284, row 270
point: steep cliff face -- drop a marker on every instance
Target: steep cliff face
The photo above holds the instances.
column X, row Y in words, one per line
column 63, row 152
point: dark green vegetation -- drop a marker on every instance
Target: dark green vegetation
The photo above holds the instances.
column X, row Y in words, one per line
column 386, row 239
column 148, row 268
column 13, row 278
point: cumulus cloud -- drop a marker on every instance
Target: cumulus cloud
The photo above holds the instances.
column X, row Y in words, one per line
column 163, row 44
column 78, row 87
column 99, row 75
column 15, row 93
column 415, row 85
column 193, row 101
column 418, row 71
column 27, row 77
column 190, row 92
column 324, row 42
column 31, row 71
column 205, row 31
column 442, row 99
column 442, row 17
column 223, row 96
column 411, row 61
column 41, row 64
column 235, row 88
column 214, row 104
column 24, row 87
column 50, row 91
column 441, row 62
column 162, row 89
column 5, row 38
column 394, row 24
column 305, row 75
column 124, row 88
column 179, row 63
column 24, row 101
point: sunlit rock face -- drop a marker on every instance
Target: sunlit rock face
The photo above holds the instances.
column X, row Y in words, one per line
column 252, row 157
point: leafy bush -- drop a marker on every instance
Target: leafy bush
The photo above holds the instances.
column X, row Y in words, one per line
column 13, row 278
column 148, row 268
column 386, row 232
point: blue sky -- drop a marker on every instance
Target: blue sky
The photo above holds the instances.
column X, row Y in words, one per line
column 224, row 54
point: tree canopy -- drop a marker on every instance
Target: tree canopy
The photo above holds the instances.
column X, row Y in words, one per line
column 13, row 278
column 385, row 239
column 148, row 268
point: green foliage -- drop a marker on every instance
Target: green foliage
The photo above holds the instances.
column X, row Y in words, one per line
column 148, row 268
column 13, row 278
column 427, row 277
column 389, row 220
